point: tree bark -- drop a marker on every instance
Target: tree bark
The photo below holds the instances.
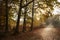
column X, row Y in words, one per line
column 24, row 23
column 18, row 19
column 32, row 15
column 6, row 28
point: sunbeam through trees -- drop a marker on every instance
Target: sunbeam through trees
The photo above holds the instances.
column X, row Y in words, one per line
column 29, row 19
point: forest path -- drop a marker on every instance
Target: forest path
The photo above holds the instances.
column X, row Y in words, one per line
column 38, row 34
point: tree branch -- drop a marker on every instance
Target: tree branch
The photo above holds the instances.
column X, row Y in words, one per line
column 27, row 4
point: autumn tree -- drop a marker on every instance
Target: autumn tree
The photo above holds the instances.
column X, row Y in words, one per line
column 32, row 15
column 18, row 19
column 6, row 28
column 24, row 23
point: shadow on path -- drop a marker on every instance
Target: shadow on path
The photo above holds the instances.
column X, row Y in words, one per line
column 39, row 34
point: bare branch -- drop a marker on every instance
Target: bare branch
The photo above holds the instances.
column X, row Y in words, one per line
column 27, row 4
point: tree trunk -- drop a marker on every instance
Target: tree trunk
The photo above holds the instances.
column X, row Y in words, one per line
column 18, row 20
column 32, row 15
column 6, row 28
column 24, row 23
